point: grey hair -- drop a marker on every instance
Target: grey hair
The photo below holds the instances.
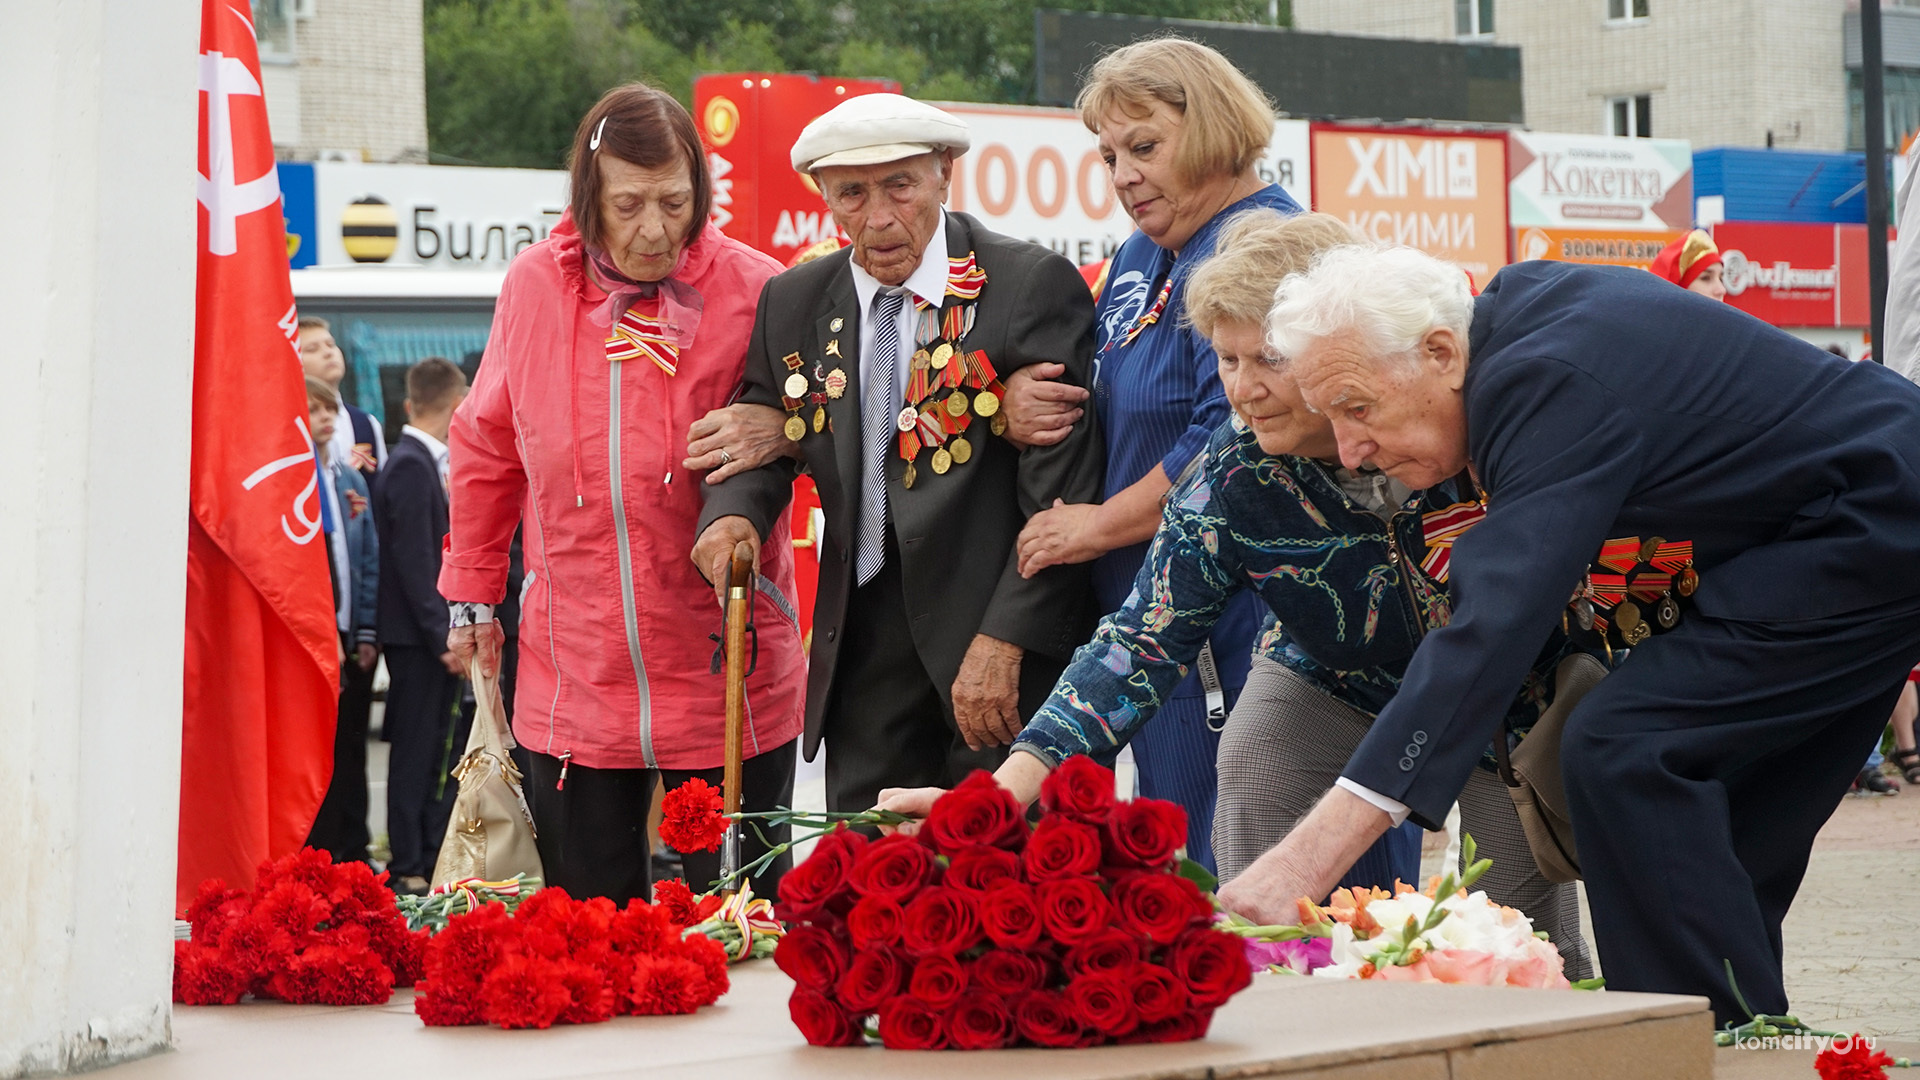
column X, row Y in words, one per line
column 1391, row 296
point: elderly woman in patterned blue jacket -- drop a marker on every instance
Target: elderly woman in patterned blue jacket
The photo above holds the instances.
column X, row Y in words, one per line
column 1353, row 565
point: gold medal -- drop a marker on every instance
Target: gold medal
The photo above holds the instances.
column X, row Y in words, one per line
column 796, row 385
column 906, row 478
column 819, row 419
column 836, row 383
column 1636, row 633
column 942, row 461
column 998, row 425
column 1626, row 617
column 796, row 428
column 962, row 450
column 942, row 354
column 957, row 404
column 920, row 360
column 986, row 403
column 1687, row 582
column 1649, row 546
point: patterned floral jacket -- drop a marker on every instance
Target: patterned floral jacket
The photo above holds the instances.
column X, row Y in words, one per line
column 1351, row 594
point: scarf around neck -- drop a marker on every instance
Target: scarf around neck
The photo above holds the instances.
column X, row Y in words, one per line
column 680, row 303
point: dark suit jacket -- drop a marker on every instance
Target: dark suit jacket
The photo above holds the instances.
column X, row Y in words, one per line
column 1604, row 402
column 956, row 532
column 410, row 510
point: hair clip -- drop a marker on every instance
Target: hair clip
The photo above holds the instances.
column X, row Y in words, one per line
column 594, row 143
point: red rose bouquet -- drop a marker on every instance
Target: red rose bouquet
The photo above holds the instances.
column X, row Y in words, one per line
column 557, row 960
column 311, row 932
column 981, row 932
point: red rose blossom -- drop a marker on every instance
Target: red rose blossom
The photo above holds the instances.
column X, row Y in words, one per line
column 1005, row 972
column 1104, row 1003
column 1080, row 789
column 980, row 1021
column 1145, row 832
column 1074, row 909
column 893, row 867
column 821, row 1022
column 940, row 920
column 1183, row 1027
column 1010, row 915
column 1061, row 847
column 811, row 957
column 1044, row 1019
column 1107, row 951
column 818, row 884
column 938, row 980
column 873, row 922
column 978, row 811
column 910, row 1024
column 1159, row 907
column 873, row 976
column 1212, row 964
column 692, row 817
column 1156, row 993
column 980, row 869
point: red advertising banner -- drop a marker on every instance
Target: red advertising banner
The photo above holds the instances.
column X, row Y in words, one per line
column 1792, row 274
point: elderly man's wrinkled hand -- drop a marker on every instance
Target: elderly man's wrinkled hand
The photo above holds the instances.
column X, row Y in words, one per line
column 986, row 694
column 727, row 442
column 714, row 550
column 1041, row 410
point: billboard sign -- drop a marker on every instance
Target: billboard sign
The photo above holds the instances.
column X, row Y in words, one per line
column 1597, row 182
column 441, row 217
column 1441, row 192
column 1796, row 274
column 1598, row 247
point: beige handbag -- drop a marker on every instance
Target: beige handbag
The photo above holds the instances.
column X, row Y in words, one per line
column 490, row 835
column 1532, row 771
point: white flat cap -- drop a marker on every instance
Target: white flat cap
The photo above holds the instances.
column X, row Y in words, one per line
column 872, row 128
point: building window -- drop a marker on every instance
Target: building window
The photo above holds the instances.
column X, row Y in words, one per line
column 1473, row 18
column 1630, row 117
column 1623, row 10
column 1901, row 113
column 273, row 28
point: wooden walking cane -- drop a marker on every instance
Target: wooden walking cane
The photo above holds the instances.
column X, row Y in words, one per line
column 739, row 605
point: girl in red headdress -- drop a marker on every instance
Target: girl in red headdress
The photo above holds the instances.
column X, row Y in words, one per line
column 1692, row 262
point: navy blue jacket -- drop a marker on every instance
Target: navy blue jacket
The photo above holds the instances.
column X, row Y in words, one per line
column 1603, row 402
column 410, row 508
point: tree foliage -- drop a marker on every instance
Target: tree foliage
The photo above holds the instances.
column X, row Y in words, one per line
column 507, row 80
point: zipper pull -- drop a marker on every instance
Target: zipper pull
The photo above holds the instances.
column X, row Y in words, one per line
column 669, row 478
column 566, row 759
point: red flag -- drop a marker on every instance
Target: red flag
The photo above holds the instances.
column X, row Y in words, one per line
column 262, row 649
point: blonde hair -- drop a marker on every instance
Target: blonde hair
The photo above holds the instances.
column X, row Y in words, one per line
column 1256, row 251
column 1229, row 120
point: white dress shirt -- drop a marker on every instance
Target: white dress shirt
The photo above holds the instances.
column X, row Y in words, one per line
column 928, row 282
column 434, row 446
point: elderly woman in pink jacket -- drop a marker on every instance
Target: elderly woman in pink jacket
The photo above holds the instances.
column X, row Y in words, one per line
column 611, row 337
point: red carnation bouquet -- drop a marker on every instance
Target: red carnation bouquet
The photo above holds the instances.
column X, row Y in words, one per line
column 557, row 960
column 981, row 932
column 311, row 932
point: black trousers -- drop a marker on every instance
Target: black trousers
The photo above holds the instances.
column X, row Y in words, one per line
column 593, row 832
column 1698, row 775
column 886, row 723
column 340, row 826
column 426, row 742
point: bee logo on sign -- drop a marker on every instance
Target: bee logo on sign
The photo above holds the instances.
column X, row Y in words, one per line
column 369, row 230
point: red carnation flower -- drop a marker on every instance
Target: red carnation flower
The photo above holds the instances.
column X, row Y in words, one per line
column 666, row 985
column 692, row 817
column 1010, row 915
column 1104, row 1003
column 524, row 992
column 1107, row 951
column 533, row 908
column 471, row 943
column 873, row 976
column 1005, row 972
column 590, row 998
column 938, row 980
column 205, row 976
column 980, row 869
column 1160, row 906
column 980, row 1021
column 1043, row 1018
column 940, row 921
column 1212, row 964
column 873, row 922
column 893, row 868
column 1061, row 847
column 1080, row 789
column 333, row 975
column 1145, row 832
column 452, row 1008
column 215, row 907
column 817, row 885
column 676, row 899
column 1860, row 1061
column 811, row 957
column 1156, row 993
column 821, row 1022
column 978, row 811
column 711, row 958
column 641, row 927
column 910, row 1024
column 1074, row 909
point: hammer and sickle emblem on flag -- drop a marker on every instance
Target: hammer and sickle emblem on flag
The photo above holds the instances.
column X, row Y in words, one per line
column 226, row 198
column 310, row 493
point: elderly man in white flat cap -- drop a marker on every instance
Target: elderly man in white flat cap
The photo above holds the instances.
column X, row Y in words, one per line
column 887, row 359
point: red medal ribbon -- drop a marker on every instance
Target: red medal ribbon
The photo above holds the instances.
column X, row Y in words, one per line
column 1440, row 529
column 909, row 445
column 1619, row 555
column 1606, row 590
column 1151, row 315
column 1672, row 556
column 1650, row 585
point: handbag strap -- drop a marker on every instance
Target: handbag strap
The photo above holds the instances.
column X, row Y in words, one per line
column 489, row 731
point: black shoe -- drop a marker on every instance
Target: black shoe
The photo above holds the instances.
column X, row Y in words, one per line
column 1872, row 780
column 409, row 885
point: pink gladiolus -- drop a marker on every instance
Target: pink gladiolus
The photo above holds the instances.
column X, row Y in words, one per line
column 1466, row 967
column 1302, row 956
column 1420, row 971
column 1540, row 969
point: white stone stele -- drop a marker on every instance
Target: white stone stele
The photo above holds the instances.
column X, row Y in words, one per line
column 98, row 151
column 1282, row 1025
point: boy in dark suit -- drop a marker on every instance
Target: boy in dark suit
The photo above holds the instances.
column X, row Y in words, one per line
column 410, row 511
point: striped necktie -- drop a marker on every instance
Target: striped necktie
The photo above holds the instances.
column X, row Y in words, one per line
column 877, row 408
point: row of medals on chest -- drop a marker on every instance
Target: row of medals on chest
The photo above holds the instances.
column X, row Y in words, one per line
column 1651, row 571
column 931, row 368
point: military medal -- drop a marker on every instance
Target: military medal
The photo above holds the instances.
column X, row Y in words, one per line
column 956, row 405
column 796, row 385
column 833, row 347
column 986, row 403
column 1651, row 547
column 836, row 383
column 942, row 461
column 941, row 355
column 920, row 360
column 1666, row 613
column 961, row 450
column 998, row 425
column 796, row 428
column 836, row 324
column 907, row 420
column 819, row 419
column 938, row 366
column 1583, row 613
column 1688, row 581
column 906, row 478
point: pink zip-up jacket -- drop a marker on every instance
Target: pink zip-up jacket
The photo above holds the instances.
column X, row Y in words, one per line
column 615, row 658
